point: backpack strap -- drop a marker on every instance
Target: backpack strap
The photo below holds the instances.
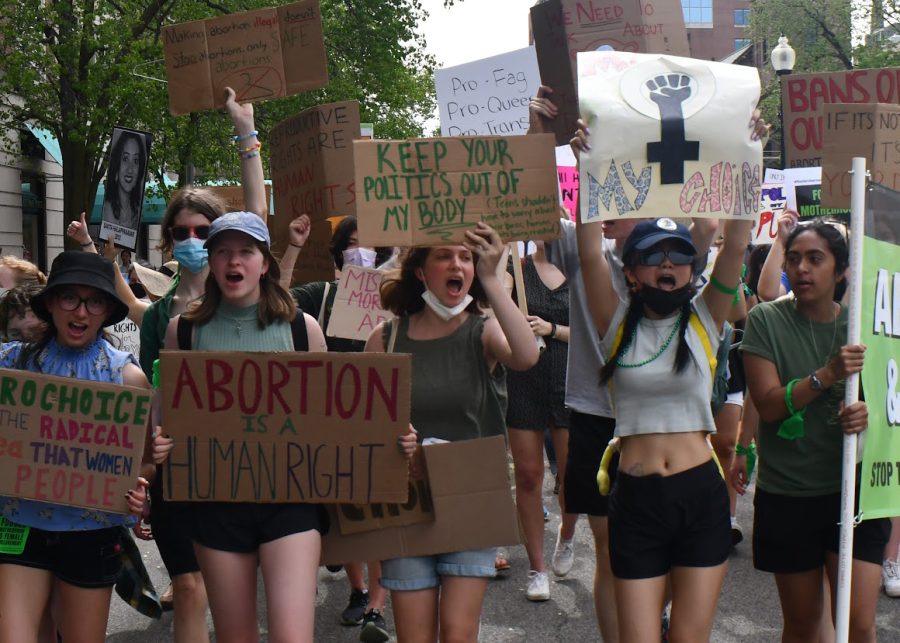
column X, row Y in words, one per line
column 298, row 332
column 185, row 331
column 698, row 327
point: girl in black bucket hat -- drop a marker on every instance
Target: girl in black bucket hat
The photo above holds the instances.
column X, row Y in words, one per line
column 69, row 552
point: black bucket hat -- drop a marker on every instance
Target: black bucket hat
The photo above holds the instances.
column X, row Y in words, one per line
column 76, row 268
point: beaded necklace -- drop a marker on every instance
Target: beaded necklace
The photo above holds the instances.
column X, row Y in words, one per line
column 662, row 350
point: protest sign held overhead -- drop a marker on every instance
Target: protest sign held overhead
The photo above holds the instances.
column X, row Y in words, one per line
column 126, row 176
column 70, row 442
column 880, row 480
column 357, row 304
column 563, row 28
column 772, row 204
column 262, row 54
column 488, row 96
column 285, row 427
column 868, row 130
column 804, row 97
column 672, row 137
column 430, row 191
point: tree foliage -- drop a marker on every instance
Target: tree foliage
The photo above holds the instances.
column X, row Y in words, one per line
column 80, row 67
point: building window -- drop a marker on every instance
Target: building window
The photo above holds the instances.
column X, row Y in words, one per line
column 740, row 43
column 741, row 17
column 29, row 146
column 697, row 13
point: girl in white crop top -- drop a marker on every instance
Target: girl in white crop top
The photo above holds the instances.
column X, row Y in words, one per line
column 669, row 510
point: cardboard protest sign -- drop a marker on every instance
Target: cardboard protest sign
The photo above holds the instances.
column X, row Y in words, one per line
column 69, row 441
column 125, row 336
column 772, row 203
column 233, row 196
column 430, row 191
column 672, row 137
column 285, row 427
column 357, row 305
column 355, row 519
column 564, row 28
column 123, row 191
column 315, row 262
column 262, row 54
column 488, row 96
column 804, row 97
column 880, row 479
column 471, row 500
column 871, row 131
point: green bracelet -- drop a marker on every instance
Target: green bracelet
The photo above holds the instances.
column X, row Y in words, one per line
column 750, row 453
column 718, row 285
column 792, row 427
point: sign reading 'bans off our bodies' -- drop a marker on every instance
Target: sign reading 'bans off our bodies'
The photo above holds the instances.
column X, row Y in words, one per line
column 260, row 54
column 673, row 137
column 285, row 427
column 488, row 96
column 430, row 191
column 70, row 442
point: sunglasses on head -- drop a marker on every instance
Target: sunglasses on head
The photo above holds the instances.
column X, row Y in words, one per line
column 656, row 257
column 182, row 232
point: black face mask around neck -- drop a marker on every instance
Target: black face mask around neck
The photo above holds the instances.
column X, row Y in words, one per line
column 664, row 302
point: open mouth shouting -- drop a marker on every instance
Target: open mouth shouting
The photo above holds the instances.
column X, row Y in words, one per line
column 76, row 330
column 234, row 277
column 665, row 282
column 455, row 286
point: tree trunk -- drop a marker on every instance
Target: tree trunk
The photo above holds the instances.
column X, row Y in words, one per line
column 78, row 191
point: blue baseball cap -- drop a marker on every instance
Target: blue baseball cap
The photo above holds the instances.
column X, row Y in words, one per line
column 648, row 233
column 247, row 222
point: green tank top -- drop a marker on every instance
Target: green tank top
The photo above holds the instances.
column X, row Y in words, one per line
column 236, row 329
column 454, row 395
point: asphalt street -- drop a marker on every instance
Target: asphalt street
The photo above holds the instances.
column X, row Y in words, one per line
column 748, row 610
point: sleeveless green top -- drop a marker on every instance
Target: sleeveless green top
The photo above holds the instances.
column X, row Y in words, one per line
column 454, row 395
column 233, row 328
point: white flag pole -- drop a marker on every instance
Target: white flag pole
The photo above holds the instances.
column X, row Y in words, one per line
column 851, row 394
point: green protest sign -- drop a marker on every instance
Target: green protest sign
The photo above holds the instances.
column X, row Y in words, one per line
column 880, row 479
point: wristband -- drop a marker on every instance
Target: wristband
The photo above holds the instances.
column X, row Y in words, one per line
column 553, row 330
column 252, row 148
column 792, row 427
column 718, row 285
column 237, row 137
column 295, row 245
column 89, row 243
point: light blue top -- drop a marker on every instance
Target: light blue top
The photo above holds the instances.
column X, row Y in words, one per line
column 98, row 362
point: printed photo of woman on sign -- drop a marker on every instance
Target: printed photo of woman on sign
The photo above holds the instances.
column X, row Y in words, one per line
column 124, row 191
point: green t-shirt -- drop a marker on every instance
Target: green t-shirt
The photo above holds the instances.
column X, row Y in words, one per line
column 811, row 465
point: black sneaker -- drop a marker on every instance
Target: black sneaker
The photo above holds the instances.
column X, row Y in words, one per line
column 374, row 629
column 356, row 607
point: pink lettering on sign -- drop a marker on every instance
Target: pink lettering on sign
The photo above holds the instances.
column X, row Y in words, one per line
column 568, row 188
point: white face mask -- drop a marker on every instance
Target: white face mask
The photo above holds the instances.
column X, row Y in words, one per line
column 445, row 312
column 361, row 257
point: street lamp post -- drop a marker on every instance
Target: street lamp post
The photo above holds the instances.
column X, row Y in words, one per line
column 783, row 59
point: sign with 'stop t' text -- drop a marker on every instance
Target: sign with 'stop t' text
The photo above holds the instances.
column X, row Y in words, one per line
column 69, row 441
column 262, row 54
column 424, row 192
column 672, row 138
column 285, row 427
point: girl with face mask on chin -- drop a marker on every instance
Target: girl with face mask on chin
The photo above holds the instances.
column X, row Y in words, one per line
column 669, row 510
column 455, row 352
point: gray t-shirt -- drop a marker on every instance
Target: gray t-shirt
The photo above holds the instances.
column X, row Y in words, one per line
column 653, row 397
column 584, row 393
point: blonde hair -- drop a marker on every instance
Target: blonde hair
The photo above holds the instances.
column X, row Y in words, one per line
column 26, row 272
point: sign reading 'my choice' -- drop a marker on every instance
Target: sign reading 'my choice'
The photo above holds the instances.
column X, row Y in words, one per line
column 262, row 54
column 69, row 441
column 488, row 96
column 285, row 427
column 357, row 304
column 804, row 97
column 672, row 137
column 430, row 191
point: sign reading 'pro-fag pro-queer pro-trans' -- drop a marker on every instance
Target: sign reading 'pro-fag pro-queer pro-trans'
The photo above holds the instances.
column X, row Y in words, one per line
column 672, row 137
column 70, row 442
column 285, row 427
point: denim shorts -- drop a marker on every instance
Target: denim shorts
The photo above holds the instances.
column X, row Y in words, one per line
column 424, row 572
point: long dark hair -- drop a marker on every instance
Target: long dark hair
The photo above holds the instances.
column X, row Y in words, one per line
column 837, row 245
column 115, row 164
column 275, row 303
column 401, row 292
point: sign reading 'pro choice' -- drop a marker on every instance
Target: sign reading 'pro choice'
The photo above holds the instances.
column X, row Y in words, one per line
column 70, row 442
column 285, row 427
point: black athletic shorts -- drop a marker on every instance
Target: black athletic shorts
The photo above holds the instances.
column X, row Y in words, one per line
column 242, row 527
column 792, row 534
column 589, row 436
column 659, row 522
column 171, row 526
column 88, row 559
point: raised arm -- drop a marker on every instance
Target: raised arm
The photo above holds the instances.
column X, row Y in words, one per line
column 770, row 286
column 252, row 178
column 298, row 233
column 724, row 284
column 602, row 298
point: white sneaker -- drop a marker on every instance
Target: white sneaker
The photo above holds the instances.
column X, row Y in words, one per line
column 890, row 575
column 737, row 534
column 563, row 555
column 538, row 586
